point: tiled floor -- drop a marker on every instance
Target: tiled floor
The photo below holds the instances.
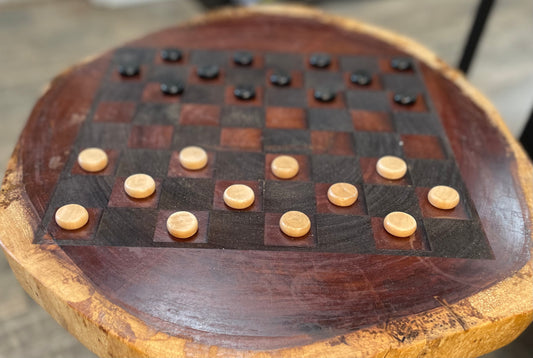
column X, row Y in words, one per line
column 39, row 38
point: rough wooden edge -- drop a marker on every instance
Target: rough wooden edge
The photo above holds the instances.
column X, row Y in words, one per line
column 111, row 331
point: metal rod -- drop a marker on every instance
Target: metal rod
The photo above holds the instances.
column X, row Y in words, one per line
column 482, row 13
column 527, row 136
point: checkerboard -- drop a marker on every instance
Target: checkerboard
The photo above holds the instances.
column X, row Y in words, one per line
column 142, row 130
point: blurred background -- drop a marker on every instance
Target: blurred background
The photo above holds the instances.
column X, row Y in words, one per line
column 40, row 38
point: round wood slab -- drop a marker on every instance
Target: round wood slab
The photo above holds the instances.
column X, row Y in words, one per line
column 460, row 286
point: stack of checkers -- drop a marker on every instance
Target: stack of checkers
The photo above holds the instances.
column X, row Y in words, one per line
column 295, row 224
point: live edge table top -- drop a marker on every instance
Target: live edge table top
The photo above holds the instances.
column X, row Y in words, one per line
column 461, row 285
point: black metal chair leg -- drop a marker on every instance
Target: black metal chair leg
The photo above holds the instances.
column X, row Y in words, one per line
column 482, row 13
column 527, row 136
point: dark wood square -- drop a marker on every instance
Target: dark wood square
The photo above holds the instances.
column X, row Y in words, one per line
column 368, row 100
column 87, row 191
column 85, row 233
column 121, row 92
column 222, row 185
column 114, row 112
column 403, row 82
column 239, row 116
column 203, row 94
column 112, row 156
column 282, row 196
column 157, row 113
column 161, row 233
column 371, row 176
column 119, row 198
column 330, row 119
column 230, row 99
column 209, row 57
column 334, row 168
column 337, row 102
column 428, row 173
column 187, row 194
column 294, row 141
column 418, row 106
column 297, row 78
column 371, row 121
column 248, row 76
column 422, row 146
column 151, row 137
column 460, row 212
column 303, row 173
column 240, row 166
column 275, row 237
column 457, row 238
column 175, row 169
column 238, row 231
column 133, row 55
column 152, row 93
column 324, row 79
column 245, row 139
column 335, row 143
column 195, row 79
column 207, row 137
column 377, row 144
column 356, row 63
column 344, row 234
column 285, row 118
column 200, row 115
column 285, row 97
column 105, row 135
column 284, row 61
column 374, row 85
column 324, row 206
column 417, row 123
column 147, row 161
column 163, row 72
column 386, row 241
column 381, row 200
column 132, row 227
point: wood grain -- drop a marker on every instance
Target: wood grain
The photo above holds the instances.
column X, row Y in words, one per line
column 101, row 310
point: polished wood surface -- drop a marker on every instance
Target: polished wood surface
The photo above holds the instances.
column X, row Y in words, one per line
column 315, row 302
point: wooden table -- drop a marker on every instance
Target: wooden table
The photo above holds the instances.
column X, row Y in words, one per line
column 460, row 286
